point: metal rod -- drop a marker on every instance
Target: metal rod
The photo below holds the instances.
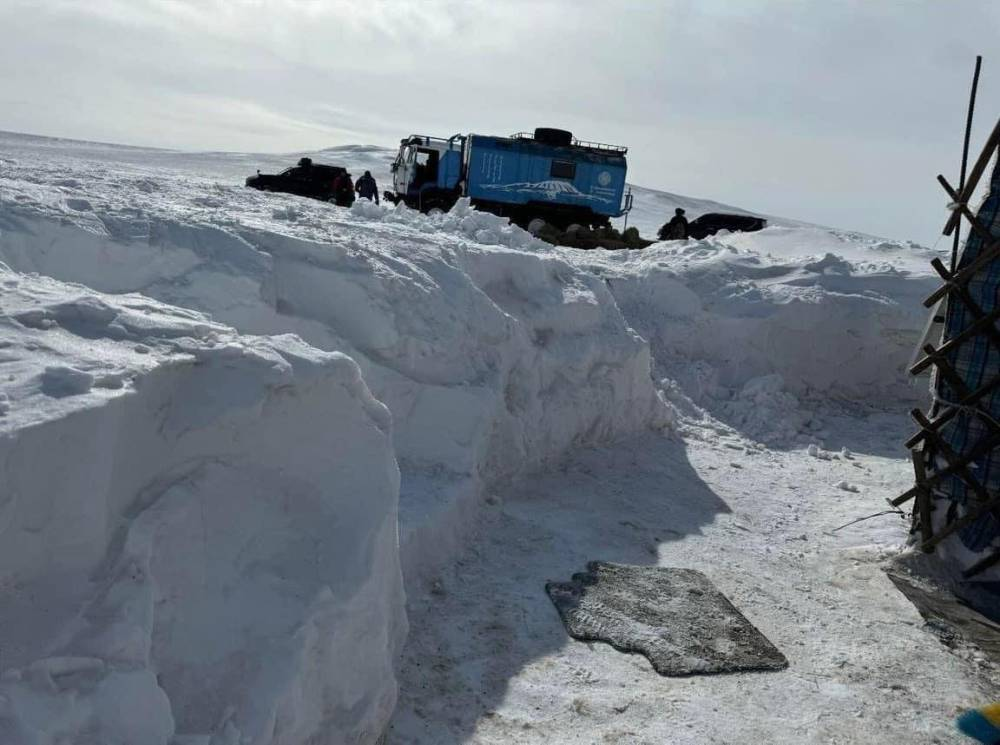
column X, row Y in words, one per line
column 965, row 152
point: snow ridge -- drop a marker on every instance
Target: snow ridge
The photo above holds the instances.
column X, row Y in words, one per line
column 494, row 355
column 230, row 532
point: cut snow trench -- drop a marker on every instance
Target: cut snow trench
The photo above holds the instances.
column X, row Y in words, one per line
column 496, row 353
column 508, row 357
column 187, row 509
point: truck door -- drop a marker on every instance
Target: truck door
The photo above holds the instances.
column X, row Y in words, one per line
column 425, row 169
column 402, row 174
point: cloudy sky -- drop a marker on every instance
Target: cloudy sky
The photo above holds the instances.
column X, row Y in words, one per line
column 836, row 112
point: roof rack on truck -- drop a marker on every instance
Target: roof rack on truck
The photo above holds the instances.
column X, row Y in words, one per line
column 586, row 144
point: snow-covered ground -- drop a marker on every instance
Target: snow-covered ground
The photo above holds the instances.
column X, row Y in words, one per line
column 681, row 404
column 488, row 661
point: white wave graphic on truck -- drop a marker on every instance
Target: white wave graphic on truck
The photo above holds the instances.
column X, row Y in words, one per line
column 550, row 190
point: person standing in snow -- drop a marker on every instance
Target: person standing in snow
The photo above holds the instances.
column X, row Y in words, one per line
column 343, row 190
column 676, row 229
column 367, row 188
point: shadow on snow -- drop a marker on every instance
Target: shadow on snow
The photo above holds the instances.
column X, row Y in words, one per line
column 488, row 616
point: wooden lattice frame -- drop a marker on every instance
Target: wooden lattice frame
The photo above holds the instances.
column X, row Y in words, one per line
column 955, row 289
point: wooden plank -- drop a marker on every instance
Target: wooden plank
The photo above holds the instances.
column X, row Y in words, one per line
column 952, row 410
column 970, row 330
column 923, row 503
column 991, row 252
column 982, row 565
column 966, row 519
column 980, row 449
column 976, row 225
column 965, row 150
column 950, row 457
column 905, row 497
column 975, row 174
column 953, row 378
column 971, row 305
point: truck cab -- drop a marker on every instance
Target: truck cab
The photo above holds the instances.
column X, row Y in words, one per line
column 427, row 170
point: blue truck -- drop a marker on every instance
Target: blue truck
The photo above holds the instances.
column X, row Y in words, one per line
column 546, row 175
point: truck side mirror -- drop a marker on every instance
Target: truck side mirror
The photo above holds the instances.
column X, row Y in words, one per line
column 258, row 172
column 395, row 167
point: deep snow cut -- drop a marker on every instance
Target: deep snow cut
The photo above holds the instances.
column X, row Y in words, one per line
column 197, row 526
column 495, row 353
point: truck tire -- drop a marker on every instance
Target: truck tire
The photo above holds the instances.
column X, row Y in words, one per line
column 536, row 226
column 552, row 136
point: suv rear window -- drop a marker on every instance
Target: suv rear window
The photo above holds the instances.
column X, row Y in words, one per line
column 563, row 169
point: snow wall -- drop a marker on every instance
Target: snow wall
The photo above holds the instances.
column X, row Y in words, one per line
column 494, row 352
column 493, row 360
column 764, row 329
column 196, row 527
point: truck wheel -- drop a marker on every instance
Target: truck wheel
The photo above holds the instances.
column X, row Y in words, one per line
column 435, row 211
column 536, row 226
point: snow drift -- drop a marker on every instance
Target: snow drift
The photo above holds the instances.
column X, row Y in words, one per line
column 236, row 566
column 197, row 527
column 494, row 354
column 750, row 326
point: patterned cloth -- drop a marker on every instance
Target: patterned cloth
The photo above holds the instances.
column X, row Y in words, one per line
column 977, row 361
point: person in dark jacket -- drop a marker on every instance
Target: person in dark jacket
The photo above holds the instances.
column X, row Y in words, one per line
column 343, row 190
column 676, row 229
column 367, row 188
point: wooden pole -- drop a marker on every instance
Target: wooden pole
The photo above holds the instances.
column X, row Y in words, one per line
column 974, row 175
column 965, row 152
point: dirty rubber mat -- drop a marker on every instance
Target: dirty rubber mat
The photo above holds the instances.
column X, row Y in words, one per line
column 674, row 617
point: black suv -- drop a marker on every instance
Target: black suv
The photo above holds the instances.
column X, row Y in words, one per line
column 712, row 222
column 308, row 179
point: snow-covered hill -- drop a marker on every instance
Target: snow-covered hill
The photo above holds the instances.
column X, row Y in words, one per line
column 496, row 355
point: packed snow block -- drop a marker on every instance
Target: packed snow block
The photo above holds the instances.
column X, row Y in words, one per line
column 494, row 354
column 201, row 541
column 494, row 361
column 840, row 335
column 579, row 374
column 676, row 618
column 757, row 329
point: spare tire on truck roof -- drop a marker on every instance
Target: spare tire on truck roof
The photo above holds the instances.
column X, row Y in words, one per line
column 550, row 136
